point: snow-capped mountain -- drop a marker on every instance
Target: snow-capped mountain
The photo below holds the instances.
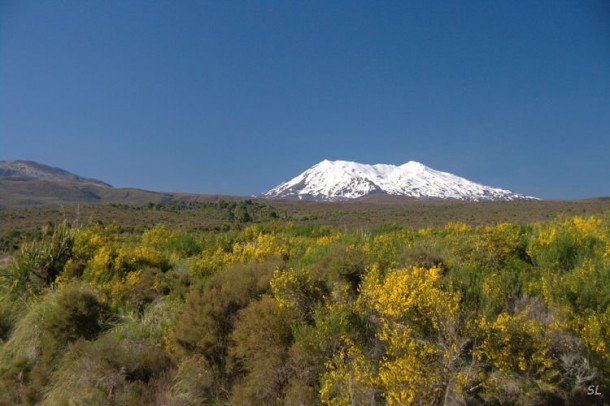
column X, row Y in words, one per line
column 344, row 180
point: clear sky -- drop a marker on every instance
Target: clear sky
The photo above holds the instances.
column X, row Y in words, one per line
column 238, row 96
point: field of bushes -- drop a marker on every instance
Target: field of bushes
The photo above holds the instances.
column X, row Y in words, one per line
column 276, row 312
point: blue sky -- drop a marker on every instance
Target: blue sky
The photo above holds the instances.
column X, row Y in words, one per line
column 236, row 97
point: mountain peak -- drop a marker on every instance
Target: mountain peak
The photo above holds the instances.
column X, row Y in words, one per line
column 414, row 164
column 345, row 180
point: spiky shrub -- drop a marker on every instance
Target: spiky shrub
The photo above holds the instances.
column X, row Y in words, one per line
column 38, row 264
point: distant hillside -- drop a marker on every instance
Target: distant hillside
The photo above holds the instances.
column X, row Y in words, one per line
column 28, row 183
column 35, row 170
column 19, row 192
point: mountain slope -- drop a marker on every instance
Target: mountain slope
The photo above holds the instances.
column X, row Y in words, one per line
column 35, row 170
column 20, row 192
column 28, row 183
column 345, row 180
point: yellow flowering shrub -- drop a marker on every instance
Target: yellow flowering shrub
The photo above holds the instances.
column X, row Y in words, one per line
column 258, row 250
column 594, row 329
column 561, row 245
column 588, row 227
column 498, row 242
column 385, row 249
column 90, row 239
column 411, row 295
column 412, row 308
column 349, row 379
column 457, row 228
column 514, row 343
column 207, row 263
column 296, row 290
column 308, row 314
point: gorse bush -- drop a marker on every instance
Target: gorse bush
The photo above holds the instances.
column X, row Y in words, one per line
column 275, row 313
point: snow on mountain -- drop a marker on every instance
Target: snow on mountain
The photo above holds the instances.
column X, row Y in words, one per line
column 344, row 180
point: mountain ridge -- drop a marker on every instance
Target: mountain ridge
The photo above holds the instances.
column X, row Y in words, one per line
column 29, row 183
column 34, row 170
column 347, row 180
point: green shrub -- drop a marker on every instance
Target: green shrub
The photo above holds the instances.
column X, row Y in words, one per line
column 126, row 365
column 261, row 367
column 22, row 382
column 185, row 244
column 424, row 258
column 195, row 383
column 146, row 289
column 309, row 230
column 78, row 314
column 209, row 314
column 343, row 263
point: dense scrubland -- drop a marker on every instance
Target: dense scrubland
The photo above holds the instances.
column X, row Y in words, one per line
column 280, row 312
column 224, row 214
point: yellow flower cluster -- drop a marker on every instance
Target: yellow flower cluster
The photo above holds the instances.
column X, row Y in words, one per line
column 349, row 378
column 411, row 306
column 499, row 241
column 413, row 294
column 515, row 343
column 258, row 250
column 292, row 287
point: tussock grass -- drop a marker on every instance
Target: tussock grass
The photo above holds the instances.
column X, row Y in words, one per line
column 127, row 360
column 26, row 338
